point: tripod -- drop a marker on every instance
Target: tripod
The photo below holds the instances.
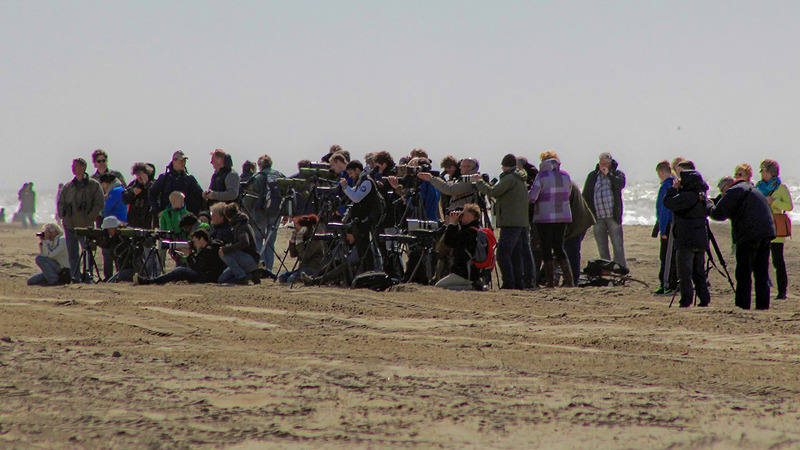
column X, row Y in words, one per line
column 272, row 226
column 710, row 263
column 338, row 250
column 88, row 264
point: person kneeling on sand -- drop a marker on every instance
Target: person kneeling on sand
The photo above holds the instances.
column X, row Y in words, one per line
column 201, row 263
column 461, row 235
column 53, row 258
column 241, row 254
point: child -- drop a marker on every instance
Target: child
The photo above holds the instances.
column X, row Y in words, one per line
column 170, row 218
column 664, row 223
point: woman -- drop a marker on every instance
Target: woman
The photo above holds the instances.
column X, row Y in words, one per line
column 549, row 194
column 52, row 258
column 779, row 200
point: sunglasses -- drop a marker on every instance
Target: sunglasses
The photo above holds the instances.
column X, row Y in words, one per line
column 98, row 161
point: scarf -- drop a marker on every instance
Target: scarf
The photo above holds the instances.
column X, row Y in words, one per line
column 768, row 187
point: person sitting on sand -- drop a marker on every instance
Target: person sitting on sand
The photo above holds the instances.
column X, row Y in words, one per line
column 53, row 258
column 461, row 235
column 240, row 255
column 201, row 263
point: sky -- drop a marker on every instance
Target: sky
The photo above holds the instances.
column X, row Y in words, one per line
column 713, row 81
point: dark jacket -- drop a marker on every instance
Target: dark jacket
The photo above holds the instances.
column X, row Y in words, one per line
column 170, row 181
column 511, row 194
column 688, row 205
column 222, row 233
column 139, row 213
column 463, row 241
column 617, row 179
column 751, row 217
column 224, row 184
column 582, row 217
column 243, row 238
column 207, row 261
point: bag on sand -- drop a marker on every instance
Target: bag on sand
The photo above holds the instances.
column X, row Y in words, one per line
column 783, row 225
column 375, row 280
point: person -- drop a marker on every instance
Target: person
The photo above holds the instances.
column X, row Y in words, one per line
column 114, row 206
column 582, row 220
column 190, row 223
column 366, row 211
column 425, row 205
column 79, row 203
column 687, row 198
column 383, row 168
column 3, row 215
column 202, row 263
column 240, row 255
column 752, row 229
column 53, row 258
column 744, row 172
column 461, row 235
column 664, row 227
column 100, row 162
column 549, row 194
column 450, row 171
column 262, row 204
column 513, row 247
column 779, row 200
column 248, row 170
column 135, row 195
column 224, row 186
column 176, row 178
column 308, row 251
column 603, row 193
column 334, row 149
column 338, row 164
column 220, row 226
column 125, row 256
column 170, row 218
column 27, row 205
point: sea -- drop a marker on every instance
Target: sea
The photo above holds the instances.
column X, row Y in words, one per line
column 638, row 198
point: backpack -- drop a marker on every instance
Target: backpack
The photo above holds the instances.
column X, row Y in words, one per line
column 269, row 194
column 484, row 256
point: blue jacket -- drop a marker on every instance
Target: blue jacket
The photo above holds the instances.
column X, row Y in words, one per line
column 663, row 214
column 115, row 206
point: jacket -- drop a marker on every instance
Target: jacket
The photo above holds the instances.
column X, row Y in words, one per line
column 617, row 179
column 243, row 238
column 463, row 240
column 664, row 214
column 56, row 250
column 690, row 212
column 582, row 217
column 308, row 251
column 172, row 180
column 746, row 207
column 550, row 193
column 114, row 205
column 80, row 202
column 170, row 219
column 120, row 178
column 511, row 194
column 139, row 213
column 460, row 193
column 207, row 262
column 224, row 184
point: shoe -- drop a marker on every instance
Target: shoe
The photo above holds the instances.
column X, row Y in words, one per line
column 136, row 279
column 659, row 291
column 669, row 291
column 684, row 305
column 256, row 276
column 566, row 273
column 704, row 304
column 549, row 274
column 781, row 296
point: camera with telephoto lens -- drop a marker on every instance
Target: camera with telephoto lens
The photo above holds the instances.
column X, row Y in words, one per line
column 315, row 165
column 311, row 173
column 422, row 225
column 40, row 234
column 174, row 245
column 287, row 185
column 89, row 233
column 465, row 179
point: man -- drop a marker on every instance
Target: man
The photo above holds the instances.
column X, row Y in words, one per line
column 603, row 193
column 262, row 203
column 27, row 205
column 513, row 247
column 176, row 178
column 753, row 229
column 224, row 186
column 203, row 264
column 100, row 162
column 80, row 202
column 367, row 208
column 664, row 224
column 687, row 199
column 52, row 259
column 140, row 214
column 461, row 235
column 239, row 255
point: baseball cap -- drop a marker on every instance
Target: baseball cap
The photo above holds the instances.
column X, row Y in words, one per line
column 179, row 155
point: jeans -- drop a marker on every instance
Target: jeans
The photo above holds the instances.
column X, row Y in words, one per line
column 74, row 253
column 182, row 274
column 573, row 249
column 292, row 276
column 692, row 269
column 122, row 275
column 776, row 249
column 752, row 259
column 240, row 264
column 49, row 274
column 514, row 257
column 605, row 229
column 265, row 238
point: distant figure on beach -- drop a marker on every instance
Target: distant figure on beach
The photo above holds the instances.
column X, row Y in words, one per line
column 27, row 205
column 79, row 203
column 176, row 178
column 603, row 193
column 780, row 201
column 2, row 215
column 224, row 186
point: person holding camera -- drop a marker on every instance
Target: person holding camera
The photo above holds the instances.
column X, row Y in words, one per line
column 79, row 203
column 240, row 255
column 53, row 258
column 687, row 199
column 603, row 193
column 201, row 262
column 461, row 235
column 309, row 252
column 140, row 214
column 367, row 207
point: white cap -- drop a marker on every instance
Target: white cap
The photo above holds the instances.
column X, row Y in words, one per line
column 110, row 222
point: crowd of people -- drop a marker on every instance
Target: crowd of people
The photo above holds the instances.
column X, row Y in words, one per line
column 404, row 220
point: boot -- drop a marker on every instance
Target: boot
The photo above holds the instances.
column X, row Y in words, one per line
column 566, row 273
column 549, row 274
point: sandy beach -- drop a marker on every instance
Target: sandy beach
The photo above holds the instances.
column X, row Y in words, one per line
column 185, row 366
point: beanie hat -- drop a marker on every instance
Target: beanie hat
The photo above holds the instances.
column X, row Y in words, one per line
column 509, row 161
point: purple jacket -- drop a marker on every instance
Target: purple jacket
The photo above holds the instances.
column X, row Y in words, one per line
column 550, row 194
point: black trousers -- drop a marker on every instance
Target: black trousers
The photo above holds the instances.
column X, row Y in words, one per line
column 552, row 238
column 692, row 271
column 752, row 262
column 776, row 248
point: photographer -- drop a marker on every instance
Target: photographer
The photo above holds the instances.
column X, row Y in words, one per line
column 202, row 265
column 79, row 203
column 140, row 215
column 240, row 255
column 418, row 194
column 122, row 251
column 309, row 252
column 687, row 200
column 53, row 258
column 461, row 235
column 367, row 206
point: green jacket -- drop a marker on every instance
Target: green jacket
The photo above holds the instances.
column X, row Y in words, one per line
column 511, row 198
column 169, row 220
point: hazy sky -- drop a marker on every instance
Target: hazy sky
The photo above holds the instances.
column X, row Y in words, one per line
column 715, row 81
